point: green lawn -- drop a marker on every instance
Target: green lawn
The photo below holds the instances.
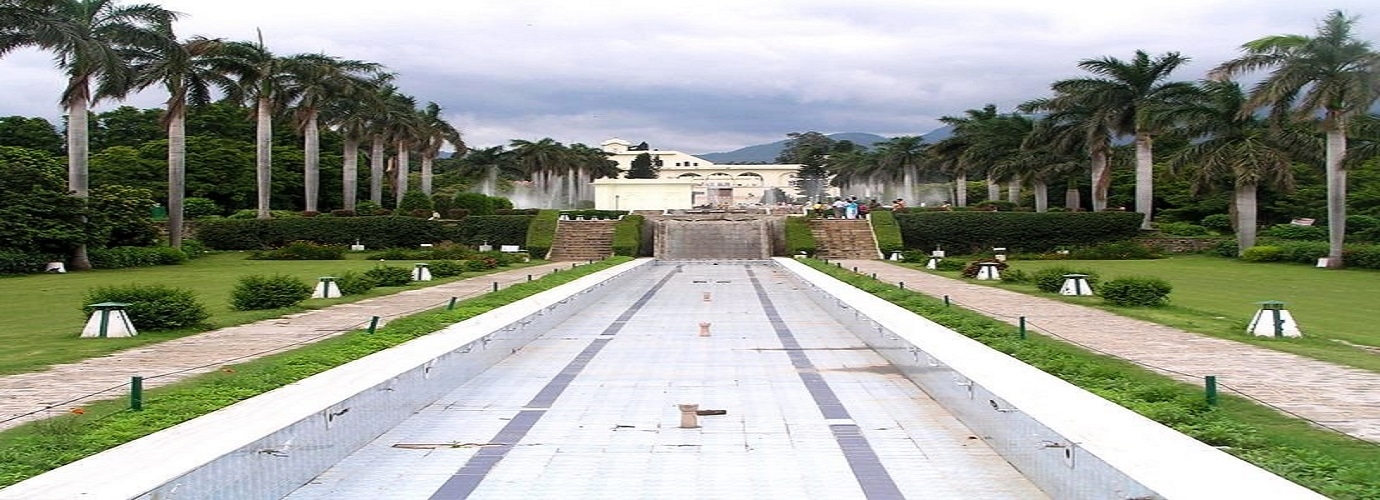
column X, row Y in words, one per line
column 41, row 318
column 1217, row 296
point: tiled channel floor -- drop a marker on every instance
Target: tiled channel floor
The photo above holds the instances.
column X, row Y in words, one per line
column 590, row 410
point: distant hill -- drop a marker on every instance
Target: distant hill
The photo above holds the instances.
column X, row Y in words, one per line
column 766, row 153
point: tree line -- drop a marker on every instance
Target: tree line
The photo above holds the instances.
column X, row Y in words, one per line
column 1311, row 105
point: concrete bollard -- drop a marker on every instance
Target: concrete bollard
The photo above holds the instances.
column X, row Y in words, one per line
column 704, row 329
column 989, row 271
column 109, row 319
column 326, row 288
column 420, row 272
column 689, row 417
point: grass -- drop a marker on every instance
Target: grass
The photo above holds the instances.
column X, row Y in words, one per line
column 41, row 318
column 1217, row 296
column 1333, row 464
column 37, row 447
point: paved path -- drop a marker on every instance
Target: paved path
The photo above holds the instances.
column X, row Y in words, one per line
column 55, row 389
column 1342, row 398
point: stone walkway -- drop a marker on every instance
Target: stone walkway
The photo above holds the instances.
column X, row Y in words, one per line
column 1342, row 398
column 53, row 391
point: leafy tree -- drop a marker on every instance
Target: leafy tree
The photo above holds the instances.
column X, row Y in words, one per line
column 643, row 167
column 313, row 81
column 93, row 39
column 1334, row 73
column 32, row 133
column 476, row 203
column 126, row 166
column 38, row 215
column 126, row 126
column 801, row 145
column 436, row 132
column 121, row 216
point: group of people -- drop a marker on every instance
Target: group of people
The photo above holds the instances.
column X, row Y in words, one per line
column 851, row 207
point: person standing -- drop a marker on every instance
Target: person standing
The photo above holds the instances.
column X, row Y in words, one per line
column 851, row 208
column 839, row 207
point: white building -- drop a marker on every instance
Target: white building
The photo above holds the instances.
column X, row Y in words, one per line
column 687, row 181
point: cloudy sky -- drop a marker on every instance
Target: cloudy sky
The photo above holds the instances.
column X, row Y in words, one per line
column 715, row 75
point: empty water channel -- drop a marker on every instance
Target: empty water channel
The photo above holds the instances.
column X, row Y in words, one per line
column 809, row 388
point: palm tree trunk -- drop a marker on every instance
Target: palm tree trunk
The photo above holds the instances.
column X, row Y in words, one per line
column 1013, row 191
column 177, row 174
column 1336, row 194
column 908, row 183
column 426, row 173
column 1145, row 177
column 311, row 174
column 1246, row 209
column 1101, row 180
column 349, row 172
column 263, row 156
column 400, row 186
column 1072, row 198
column 376, row 153
column 78, row 151
column 993, row 189
column 1041, row 195
column 961, row 189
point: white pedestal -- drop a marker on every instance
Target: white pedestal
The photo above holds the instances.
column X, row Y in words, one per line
column 356, row 247
column 1322, row 261
column 108, row 323
column 933, row 263
column 421, row 273
column 1263, row 324
column 895, row 256
column 326, row 289
column 1076, row 285
column 55, row 267
column 988, row 271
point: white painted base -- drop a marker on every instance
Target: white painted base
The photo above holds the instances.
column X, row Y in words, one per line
column 1262, row 325
column 421, row 273
column 326, row 290
column 989, row 273
column 116, row 325
column 55, row 267
column 932, row 264
column 1078, row 286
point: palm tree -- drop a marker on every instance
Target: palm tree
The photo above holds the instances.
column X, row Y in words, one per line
column 315, row 80
column 436, row 132
column 93, row 40
column 542, row 160
column 263, row 81
column 1333, row 73
column 402, row 126
column 1068, row 125
column 1127, row 94
column 1235, row 146
column 351, row 116
column 901, row 157
column 188, row 71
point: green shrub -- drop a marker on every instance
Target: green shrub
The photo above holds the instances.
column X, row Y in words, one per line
column 476, row 203
column 15, row 262
column 123, row 257
column 973, row 232
column 367, row 207
column 995, row 205
column 415, row 200
column 1363, row 256
column 1296, row 232
column 541, row 232
column 195, row 208
column 1015, row 276
column 268, row 292
column 475, row 230
column 354, row 283
column 627, row 236
column 193, row 248
column 1306, row 252
column 384, row 275
column 1263, row 253
column 1051, row 279
column 1136, row 291
column 1119, row 250
column 441, row 203
column 399, row 254
column 457, row 213
column 372, row 232
column 301, row 250
column 888, row 234
column 340, row 212
column 445, row 268
column 950, row 265
column 151, row 307
column 1363, row 228
column 799, row 239
column 1181, row 229
column 1218, row 222
column 1227, row 248
column 480, row 264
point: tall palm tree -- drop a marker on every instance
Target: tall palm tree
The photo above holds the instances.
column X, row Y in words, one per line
column 189, row 71
column 315, row 80
column 93, row 40
column 957, row 154
column 436, row 132
column 1069, row 124
column 543, row 160
column 351, row 117
column 402, row 126
column 263, row 81
column 902, row 157
column 1235, row 146
column 1333, row 73
column 1127, row 94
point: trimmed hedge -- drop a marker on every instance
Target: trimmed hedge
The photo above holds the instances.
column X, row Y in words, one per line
column 268, row 292
column 541, row 233
column 974, row 232
column 151, row 307
column 886, row 231
column 372, row 232
column 799, row 239
column 122, row 257
column 627, row 236
column 1136, row 291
